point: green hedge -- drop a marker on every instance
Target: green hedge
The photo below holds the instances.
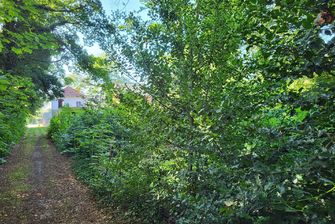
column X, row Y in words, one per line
column 16, row 103
column 125, row 154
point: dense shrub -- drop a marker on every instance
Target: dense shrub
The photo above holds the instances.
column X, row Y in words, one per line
column 17, row 101
column 60, row 124
column 126, row 155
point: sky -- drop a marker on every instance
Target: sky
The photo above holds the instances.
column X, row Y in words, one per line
column 122, row 5
column 114, row 5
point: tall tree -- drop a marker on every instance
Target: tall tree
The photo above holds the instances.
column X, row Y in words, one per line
column 38, row 35
column 248, row 86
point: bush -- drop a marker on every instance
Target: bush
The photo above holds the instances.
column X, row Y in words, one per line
column 16, row 103
column 59, row 125
column 132, row 155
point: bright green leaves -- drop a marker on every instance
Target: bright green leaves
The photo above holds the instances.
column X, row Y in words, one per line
column 9, row 11
column 17, row 101
column 300, row 115
column 17, row 51
column 1, row 47
column 283, row 117
column 302, row 84
column 27, row 42
column 3, row 83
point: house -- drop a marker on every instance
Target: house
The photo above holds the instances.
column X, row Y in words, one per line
column 71, row 98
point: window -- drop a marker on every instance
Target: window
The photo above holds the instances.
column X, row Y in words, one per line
column 79, row 104
column 60, row 103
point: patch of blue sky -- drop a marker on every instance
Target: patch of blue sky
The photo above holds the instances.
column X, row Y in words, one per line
column 110, row 6
column 122, row 6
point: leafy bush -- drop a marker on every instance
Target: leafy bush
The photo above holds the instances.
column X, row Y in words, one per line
column 17, row 101
column 125, row 154
column 58, row 127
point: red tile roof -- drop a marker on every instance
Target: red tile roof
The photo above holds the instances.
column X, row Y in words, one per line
column 70, row 92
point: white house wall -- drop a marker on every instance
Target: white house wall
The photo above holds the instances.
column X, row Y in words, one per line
column 54, row 105
column 72, row 102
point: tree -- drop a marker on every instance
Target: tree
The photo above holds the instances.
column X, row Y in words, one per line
column 37, row 35
column 230, row 76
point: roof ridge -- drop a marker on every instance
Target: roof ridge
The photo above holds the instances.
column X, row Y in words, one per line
column 68, row 91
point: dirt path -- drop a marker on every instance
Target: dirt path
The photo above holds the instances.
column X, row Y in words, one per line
column 38, row 186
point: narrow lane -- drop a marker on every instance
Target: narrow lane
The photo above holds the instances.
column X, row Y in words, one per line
column 37, row 186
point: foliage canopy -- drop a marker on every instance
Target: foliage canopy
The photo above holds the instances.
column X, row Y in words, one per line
column 37, row 37
column 241, row 128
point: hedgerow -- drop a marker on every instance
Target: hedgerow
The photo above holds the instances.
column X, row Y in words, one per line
column 17, row 101
column 131, row 155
